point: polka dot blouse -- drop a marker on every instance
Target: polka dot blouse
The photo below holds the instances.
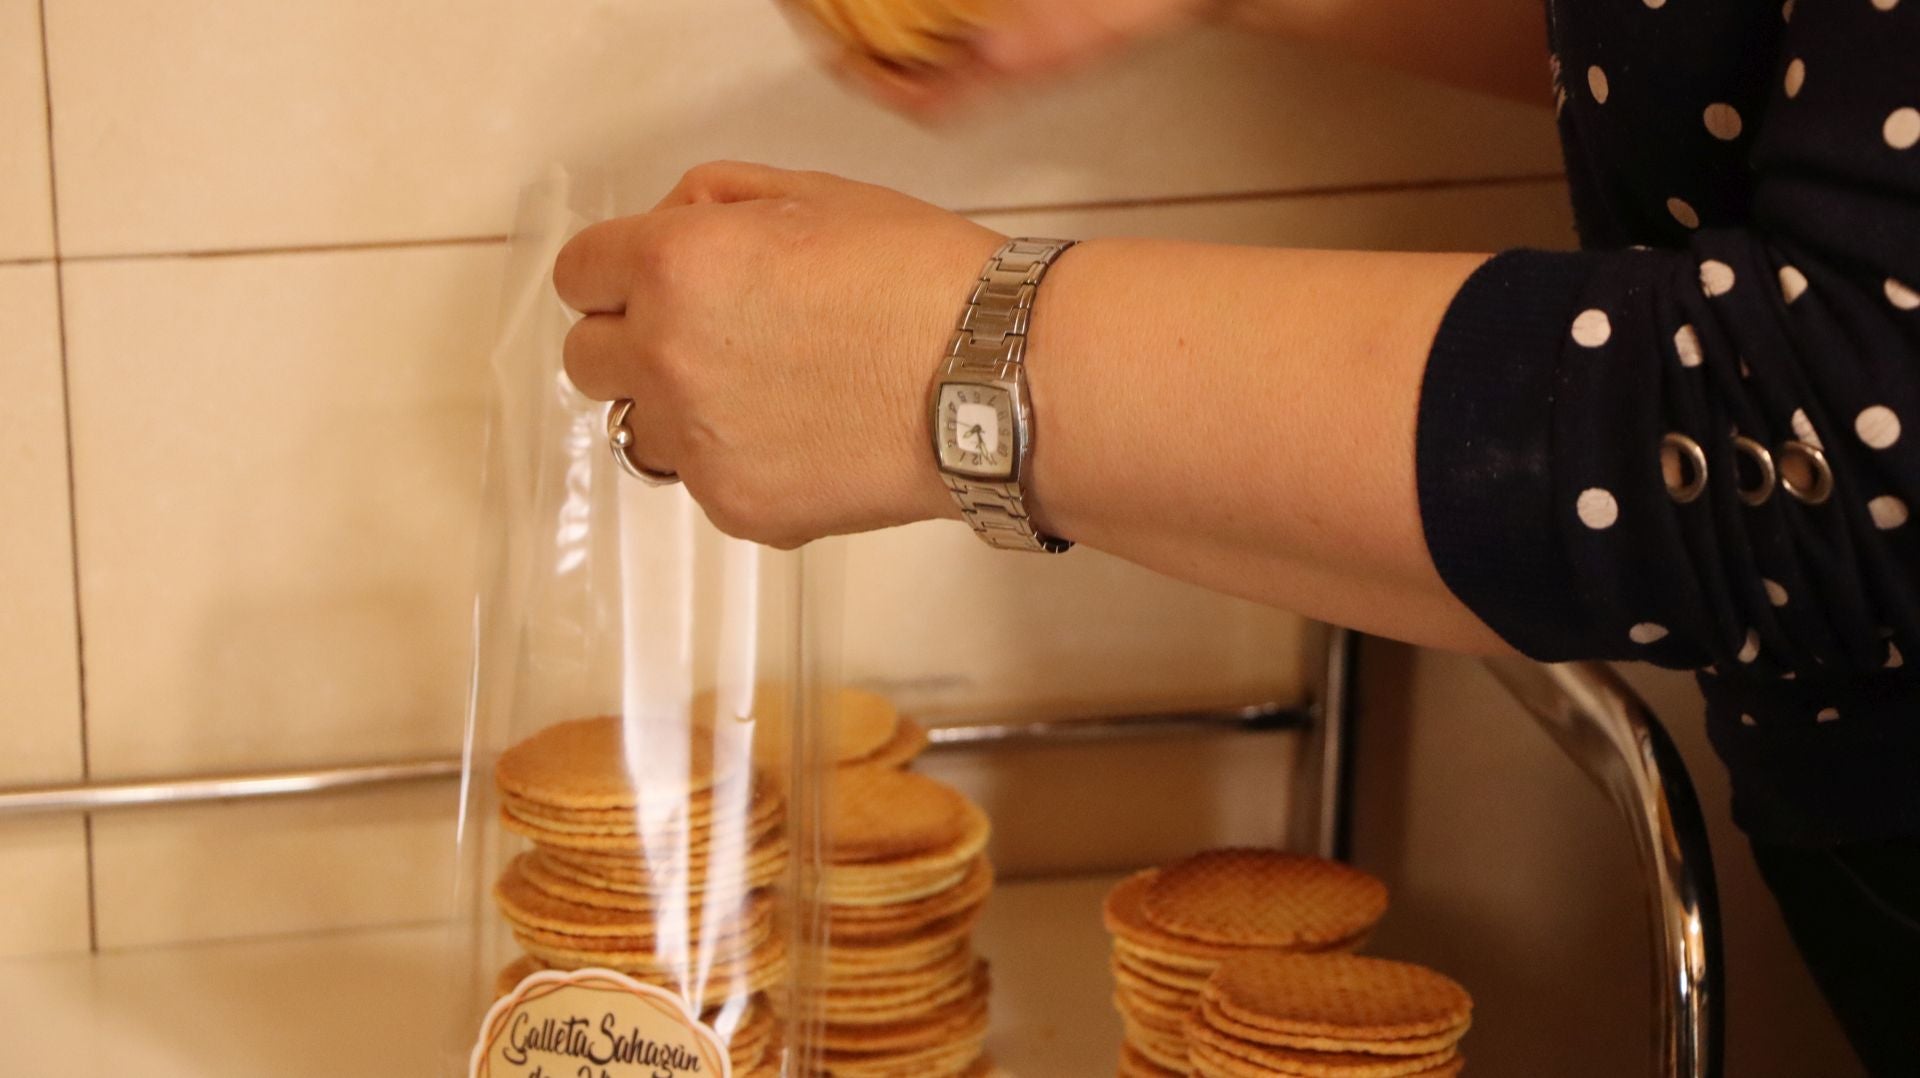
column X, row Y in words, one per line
column 1696, row 442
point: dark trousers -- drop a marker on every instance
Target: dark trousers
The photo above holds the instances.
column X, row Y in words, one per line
column 1854, row 912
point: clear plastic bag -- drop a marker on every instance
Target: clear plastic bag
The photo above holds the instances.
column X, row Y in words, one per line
column 639, row 796
column 685, row 848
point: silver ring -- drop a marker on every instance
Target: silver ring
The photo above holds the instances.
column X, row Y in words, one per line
column 1763, row 460
column 1691, row 456
column 620, row 440
column 1822, row 488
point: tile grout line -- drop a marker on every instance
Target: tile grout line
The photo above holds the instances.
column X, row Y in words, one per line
column 1277, row 194
column 73, row 501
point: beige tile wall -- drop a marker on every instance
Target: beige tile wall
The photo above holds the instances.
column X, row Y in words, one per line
column 39, row 663
column 279, row 281
column 26, row 215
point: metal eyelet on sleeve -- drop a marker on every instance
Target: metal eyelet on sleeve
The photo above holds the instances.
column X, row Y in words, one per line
column 1758, row 493
column 1690, row 466
column 1811, row 490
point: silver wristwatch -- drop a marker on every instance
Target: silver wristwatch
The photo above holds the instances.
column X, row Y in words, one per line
column 982, row 416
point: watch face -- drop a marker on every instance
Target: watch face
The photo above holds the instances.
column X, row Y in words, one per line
column 976, row 430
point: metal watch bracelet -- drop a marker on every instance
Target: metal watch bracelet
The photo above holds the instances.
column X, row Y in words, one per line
column 990, row 344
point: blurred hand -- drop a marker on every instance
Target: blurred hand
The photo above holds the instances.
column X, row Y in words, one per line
column 1026, row 40
column 777, row 332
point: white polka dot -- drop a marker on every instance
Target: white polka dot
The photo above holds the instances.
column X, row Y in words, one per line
column 1687, row 344
column 1877, row 426
column 1722, row 120
column 1647, row 632
column 1786, row 11
column 1655, row 4
column 1902, row 129
column 1683, row 213
column 1716, row 277
column 1901, row 296
column 1793, row 283
column 1750, row 647
column 1747, row 720
column 1597, row 509
column 1776, row 594
column 1591, row 329
column 1827, row 714
column 1803, row 428
column 1796, row 77
column 1788, row 676
column 1711, row 669
column 1888, row 512
column 1745, row 371
column 1885, row 5
column 1894, row 659
column 1597, row 82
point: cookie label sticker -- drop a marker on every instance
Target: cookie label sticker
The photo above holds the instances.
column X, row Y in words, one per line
column 595, row 1023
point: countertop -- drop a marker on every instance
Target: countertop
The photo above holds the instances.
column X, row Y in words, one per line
column 339, row 1005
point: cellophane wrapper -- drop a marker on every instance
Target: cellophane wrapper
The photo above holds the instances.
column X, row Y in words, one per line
column 639, row 841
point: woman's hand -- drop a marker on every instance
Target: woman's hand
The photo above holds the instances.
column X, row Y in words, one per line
column 777, row 332
column 1023, row 41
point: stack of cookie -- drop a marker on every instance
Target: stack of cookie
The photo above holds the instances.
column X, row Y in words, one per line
column 864, row 728
column 1173, row 927
column 1332, row 1016
column 901, row 990
column 656, row 869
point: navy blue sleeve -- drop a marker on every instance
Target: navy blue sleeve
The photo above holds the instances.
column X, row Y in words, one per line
column 1789, row 337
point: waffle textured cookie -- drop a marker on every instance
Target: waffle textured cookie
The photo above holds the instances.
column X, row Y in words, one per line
column 1173, row 927
column 1264, row 898
column 1327, row 1016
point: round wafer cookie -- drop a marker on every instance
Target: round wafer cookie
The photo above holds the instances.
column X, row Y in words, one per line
column 879, row 923
column 765, row 817
column 524, row 903
column 1263, row 898
column 1211, row 1062
column 1266, row 1059
column 584, row 763
column 1135, row 1064
column 1338, row 995
column 908, row 742
column 1396, row 1046
column 957, row 1021
column 912, row 948
column 1173, row 978
column 942, row 1060
column 885, row 816
column 659, row 951
column 1169, row 1019
column 1126, row 920
column 717, row 981
column 955, row 960
column 569, row 882
column 1132, row 984
column 858, row 722
column 887, row 1007
column 865, row 885
column 700, row 813
column 669, row 860
column 1164, row 1050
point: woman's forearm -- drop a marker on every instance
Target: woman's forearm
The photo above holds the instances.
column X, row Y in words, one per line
column 1244, row 418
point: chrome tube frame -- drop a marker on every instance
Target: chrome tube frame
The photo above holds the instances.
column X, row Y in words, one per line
column 1616, row 739
column 203, row 789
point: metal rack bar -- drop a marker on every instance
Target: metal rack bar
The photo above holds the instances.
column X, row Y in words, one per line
column 205, row 789
column 1616, row 739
